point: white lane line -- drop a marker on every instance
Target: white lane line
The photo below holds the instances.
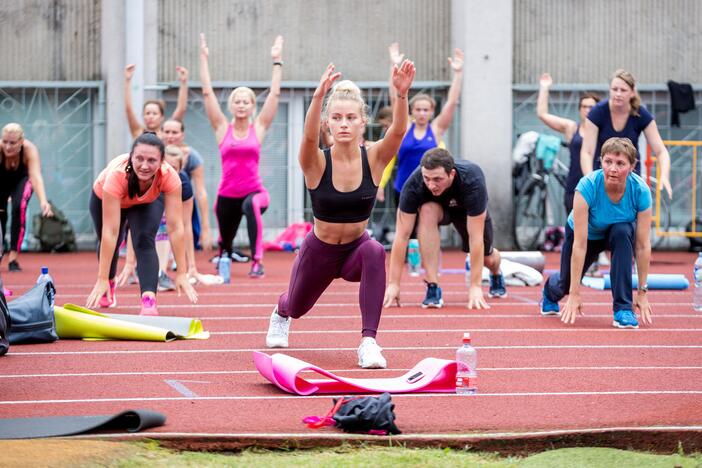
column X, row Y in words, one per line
column 336, row 371
column 335, row 350
column 428, row 315
column 472, row 329
column 326, row 396
column 354, row 305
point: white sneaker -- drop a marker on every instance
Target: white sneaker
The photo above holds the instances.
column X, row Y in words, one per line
column 370, row 356
column 278, row 329
column 603, row 259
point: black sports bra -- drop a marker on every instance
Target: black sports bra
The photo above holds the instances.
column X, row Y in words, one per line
column 333, row 206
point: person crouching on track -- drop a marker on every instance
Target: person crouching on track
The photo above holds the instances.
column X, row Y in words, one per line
column 442, row 191
column 611, row 210
column 135, row 188
column 343, row 183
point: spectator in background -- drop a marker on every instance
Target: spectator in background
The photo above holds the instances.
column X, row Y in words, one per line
column 20, row 176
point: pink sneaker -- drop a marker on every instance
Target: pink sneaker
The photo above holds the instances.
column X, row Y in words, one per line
column 148, row 306
column 7, row 292
column 103, row 300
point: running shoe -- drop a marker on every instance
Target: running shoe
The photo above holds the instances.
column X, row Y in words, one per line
column 148, row 305
column 278, row 330
column 548, row 307
column 165, row 283
column 433, row 298
column 239, row 257
column 370, row 354
column 236, row 256
column 104, row 302
column 14, row 266
column 497, row 286
column 132, row 279
column 625, row 319
column 256, row 270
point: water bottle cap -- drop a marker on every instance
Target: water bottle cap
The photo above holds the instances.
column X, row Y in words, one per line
column 466, row 337
column 44, row 270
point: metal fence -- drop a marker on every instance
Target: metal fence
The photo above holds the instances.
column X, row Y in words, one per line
column 563, row 101
column 65, row 120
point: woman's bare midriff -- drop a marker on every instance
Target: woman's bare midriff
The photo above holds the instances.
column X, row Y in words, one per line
column 338, row 233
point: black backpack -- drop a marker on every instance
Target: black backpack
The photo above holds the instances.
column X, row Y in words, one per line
column 55, row 233
column 4, row 322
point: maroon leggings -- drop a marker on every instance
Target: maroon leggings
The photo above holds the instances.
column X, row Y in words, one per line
column 318, row 264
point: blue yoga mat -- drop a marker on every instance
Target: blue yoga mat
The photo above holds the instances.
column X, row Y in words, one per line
column 655, row 281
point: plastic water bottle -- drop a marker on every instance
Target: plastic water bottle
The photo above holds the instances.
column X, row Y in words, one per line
column 466, row 368
column 414, row 260
column 697, row 275
column 45, row 277
column 224, row 267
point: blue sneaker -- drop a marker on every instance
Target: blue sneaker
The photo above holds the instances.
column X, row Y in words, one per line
column 497, row 286
column 433, row 298
column 625, row 319
column 548, row 307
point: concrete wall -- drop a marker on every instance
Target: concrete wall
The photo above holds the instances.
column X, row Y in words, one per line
column 354, row 35
column 585, row 41
column 50, row 40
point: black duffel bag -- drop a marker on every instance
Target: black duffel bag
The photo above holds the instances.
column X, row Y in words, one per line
column 32, row 316
column 4, row 323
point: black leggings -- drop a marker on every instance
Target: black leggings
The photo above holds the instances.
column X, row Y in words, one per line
column 229, row 212
column 143, row 222
column 20, row 195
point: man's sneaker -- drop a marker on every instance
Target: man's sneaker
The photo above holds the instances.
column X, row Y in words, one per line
column 132, row 279
column 370, row 356
column 593, row 271
column 165, row 283
column 148, row 305
column 548, row 307
column 603, row 259
column 239, row 257
column 256, row 270
column 433, row 298
column 103, row 302
column 278, row 329
column 497, row 286
column 14, row 266
column 625, row 319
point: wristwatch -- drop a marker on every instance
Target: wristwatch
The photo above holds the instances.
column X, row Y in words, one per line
column 643, row 288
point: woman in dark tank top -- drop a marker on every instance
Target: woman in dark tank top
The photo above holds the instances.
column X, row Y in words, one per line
column 343, row 182
column 20, row 176
column 570, row 129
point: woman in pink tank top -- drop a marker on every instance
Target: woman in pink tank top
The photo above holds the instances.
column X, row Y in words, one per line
column 241, row 192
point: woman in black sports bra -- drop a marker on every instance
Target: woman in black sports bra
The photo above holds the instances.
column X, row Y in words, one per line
column 343, row 182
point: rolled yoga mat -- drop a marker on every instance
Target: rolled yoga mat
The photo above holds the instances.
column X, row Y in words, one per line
column 75, row 322
column 534, row 259
column 655, row 281
column 56, row 426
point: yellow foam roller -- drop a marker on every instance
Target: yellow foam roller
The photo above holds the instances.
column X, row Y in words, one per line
column 75, row 322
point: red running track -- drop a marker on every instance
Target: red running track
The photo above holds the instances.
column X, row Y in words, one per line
column 536, row 374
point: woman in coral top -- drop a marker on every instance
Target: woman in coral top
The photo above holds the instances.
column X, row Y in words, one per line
column 241, row 192
column 130, row 190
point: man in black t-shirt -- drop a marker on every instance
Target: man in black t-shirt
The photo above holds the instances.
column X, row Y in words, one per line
column 442, row 191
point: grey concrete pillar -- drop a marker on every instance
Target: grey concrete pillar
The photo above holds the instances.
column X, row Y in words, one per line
column 112, row 57
column 483, row 29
